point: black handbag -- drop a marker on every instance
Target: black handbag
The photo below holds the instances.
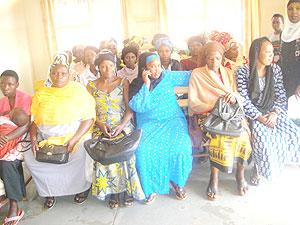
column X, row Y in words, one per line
column 225, row 119
column 108, row 151
column 56, row 154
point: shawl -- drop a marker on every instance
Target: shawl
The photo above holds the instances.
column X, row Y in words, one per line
column 206, row 87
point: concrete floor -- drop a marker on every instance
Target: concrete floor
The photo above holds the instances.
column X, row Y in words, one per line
column 275, row 203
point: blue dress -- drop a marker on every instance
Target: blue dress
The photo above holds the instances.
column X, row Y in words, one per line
column 165, row 151
column 273, row 148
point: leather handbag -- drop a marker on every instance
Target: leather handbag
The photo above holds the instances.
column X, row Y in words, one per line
column 56, row 154
column 225, row 119
column 108, row 151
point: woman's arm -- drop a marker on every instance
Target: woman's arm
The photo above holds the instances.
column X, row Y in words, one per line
column 128, row 113
column 83, row 128
column 14, row 134
column 33, row 137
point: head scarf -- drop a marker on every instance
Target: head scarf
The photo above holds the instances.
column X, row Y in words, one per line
column 267, row 100
column 291, row 31
column 63, row 59
column 137, row 83
column 163, row 41
column 223, row 38
column 104, row 54
column 130, row 48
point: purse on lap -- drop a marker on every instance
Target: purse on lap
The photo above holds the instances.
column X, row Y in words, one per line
column 225, row 119
column 56, row 154
column 113, row 150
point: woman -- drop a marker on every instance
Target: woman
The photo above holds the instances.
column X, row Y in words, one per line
column 195, row 45
column 207, row 85
column 62, row 114
column 164, row 48
column 275, row 139
column 164, row 154
column 113, row 117
column 11, row 170
column 290, row 50
column 129, row 57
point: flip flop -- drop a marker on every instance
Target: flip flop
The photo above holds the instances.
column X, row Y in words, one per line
column 14, row 219
column 81, row 197
column 151, row 198
column 114, row 201
column 179, row 192
column 242, row 187
column 211, row 193
column 128, row 200
column 49, row 202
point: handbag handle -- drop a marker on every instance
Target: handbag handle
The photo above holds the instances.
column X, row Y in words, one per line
column 114, row 140
column 222, row 102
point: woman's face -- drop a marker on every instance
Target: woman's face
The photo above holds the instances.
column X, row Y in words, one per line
column 293, row 11
column 164, row 53
column 233, row 52
column 130, row 60
column 195, row 48
column 8, row 85
column 266, row 54
column 155, row 69
column 214, row 60
column 59, row 76
column 107, row 68
column 89, row 56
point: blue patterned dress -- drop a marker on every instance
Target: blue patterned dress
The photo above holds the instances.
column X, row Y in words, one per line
column 165, row 152
column 272, row 147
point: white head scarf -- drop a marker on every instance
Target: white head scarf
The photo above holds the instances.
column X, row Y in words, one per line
column 291, row 31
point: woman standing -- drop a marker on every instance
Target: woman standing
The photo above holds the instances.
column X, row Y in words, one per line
column 113, row 117
column 275, row 139
column 164, row 154
column 290, row 50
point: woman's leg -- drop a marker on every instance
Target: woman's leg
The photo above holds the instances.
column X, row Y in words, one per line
column 240, row 179
column 114, row 201
column 179, row 191
column 212, row 188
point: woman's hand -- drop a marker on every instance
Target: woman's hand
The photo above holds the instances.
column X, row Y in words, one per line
column 271, row 119
column 34, row 146
column 230, row 98
column 146, row 79
column 117, row 130
column 262, row 119
column 106, row 129
column 71, row 143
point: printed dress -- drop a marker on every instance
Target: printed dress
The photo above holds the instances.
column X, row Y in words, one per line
column 118, row 177
column 165, row 152
column 272, row 147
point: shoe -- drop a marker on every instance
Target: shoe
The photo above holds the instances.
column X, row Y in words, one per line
column 81, row 197
column 49, row 202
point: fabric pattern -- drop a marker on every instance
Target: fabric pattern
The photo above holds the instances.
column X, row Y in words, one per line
column 164, row 153
column 272, row 147
column 118, row 177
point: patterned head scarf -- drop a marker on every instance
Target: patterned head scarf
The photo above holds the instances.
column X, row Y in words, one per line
column 104, row 54
column 223, row 38
column 130, row 48
column 63, row 59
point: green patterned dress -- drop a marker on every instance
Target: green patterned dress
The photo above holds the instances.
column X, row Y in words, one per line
column 118, row 177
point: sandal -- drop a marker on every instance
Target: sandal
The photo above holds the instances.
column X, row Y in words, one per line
column 114, row 201
column 128, row 200
column 179, row 191
column 254, row 177
column 49, row 202
column 211, row 193
column 151, row 198
column 242, row 187
column 81, row 197
column 15, row 219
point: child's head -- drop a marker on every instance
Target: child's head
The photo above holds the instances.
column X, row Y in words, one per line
column 277, row 22
column 19, row 117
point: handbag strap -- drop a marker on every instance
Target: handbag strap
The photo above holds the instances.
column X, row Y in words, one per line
column 114, row 140
column 238, row 102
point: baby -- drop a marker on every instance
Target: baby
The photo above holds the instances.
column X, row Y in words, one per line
column 16, row 118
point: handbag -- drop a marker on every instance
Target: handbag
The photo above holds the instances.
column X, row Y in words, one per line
column 56, row 154
column 225, row 119
column 108, row 151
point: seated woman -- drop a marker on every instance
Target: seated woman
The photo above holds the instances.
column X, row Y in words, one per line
column 207, row 85
column 164, row 48
column 11, row 170
column 164, row 154
column 195, row 45
column 62, row 114
column 113, row 116
column 275, row 139
column 129, row 57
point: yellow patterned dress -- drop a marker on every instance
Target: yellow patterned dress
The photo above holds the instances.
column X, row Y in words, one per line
column 118, row 177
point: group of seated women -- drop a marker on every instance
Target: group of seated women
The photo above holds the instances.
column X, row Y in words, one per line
column 91, row 98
